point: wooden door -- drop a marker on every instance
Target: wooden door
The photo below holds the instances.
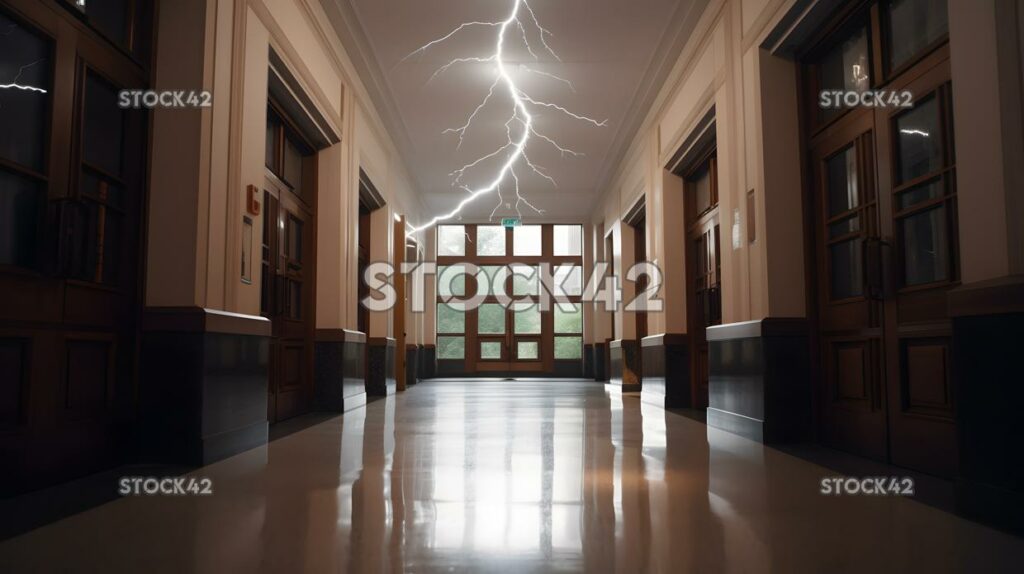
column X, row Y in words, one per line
column 704, row 301
column 850, row 310
column 72, row 187
column 287, row 292
column 919, row 262
column 398, row 311
column 883, row 190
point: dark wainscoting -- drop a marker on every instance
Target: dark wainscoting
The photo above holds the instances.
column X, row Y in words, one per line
column 988, row 327
column 380, row 373
column 203, row 384
column 759, row 382
column 340, row 370
column 428, row 361
column 450, row 368
column 666, row 366
column 588, row 361
column 600, row 358
column 412, row 361
column 625, row 357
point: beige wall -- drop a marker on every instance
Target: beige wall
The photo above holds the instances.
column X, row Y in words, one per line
column 754, row 95
column 204, row 159
column 721, row 67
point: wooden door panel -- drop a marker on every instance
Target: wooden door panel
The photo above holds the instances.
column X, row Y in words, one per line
column 918, row 188
column 88, row 379
column 287, row 267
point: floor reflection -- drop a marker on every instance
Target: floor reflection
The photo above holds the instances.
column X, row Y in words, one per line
column 511, row 476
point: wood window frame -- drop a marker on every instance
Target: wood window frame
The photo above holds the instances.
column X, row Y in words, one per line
column 871, row 15
column 472, row 338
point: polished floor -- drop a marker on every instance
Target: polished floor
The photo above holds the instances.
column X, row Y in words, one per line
column 515, row 476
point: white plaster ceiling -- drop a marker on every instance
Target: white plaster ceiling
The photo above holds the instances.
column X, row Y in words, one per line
column 615, row 52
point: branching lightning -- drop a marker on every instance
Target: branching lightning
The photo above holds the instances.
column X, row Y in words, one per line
column 520, row 126
column 15, row 85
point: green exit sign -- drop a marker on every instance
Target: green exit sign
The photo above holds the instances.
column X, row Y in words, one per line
column 511, row 222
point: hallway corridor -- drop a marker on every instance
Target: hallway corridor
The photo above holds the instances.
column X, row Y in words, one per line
column 523, row 476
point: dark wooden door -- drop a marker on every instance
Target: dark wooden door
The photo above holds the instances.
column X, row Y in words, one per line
column 885, row 233
column 72, row 173
column 919, row 264
column 704, row 269
column 850, row 321
column 287, row 289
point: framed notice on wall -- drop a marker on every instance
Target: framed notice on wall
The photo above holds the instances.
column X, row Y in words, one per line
column 246, row 250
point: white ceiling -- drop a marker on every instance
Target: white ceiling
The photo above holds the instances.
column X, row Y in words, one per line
column 615, row 52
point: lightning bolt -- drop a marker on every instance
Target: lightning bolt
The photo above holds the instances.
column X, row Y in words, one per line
column 519, row 19
column 15, row 85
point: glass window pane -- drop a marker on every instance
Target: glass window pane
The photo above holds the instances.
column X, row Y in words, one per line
column 103, row 132
column 526, row 319
column 702, row 190
column 568, row 240
column 527, row 350
column 842, row 181
column 845, row 67
column 293, row 165
column 913, row 25
column 570, row 320
column 451, row 240
column 525, row 280
column 526, row 240
column 24, row 61
column 451, row 319
column 20, row 204
column 920, row 193
column 490, row 350
column 491, row 319
column 491, row 279
column 270, row 145
column 844, row 227
column 451, row 281
column 919, row 145
column 847, row 275
column 925, row 247
column 569, row 280
column 568, row 347
column 490, row 240
column 109, row 16
column 451, row 347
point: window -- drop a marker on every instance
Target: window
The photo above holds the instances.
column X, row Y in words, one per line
column 847, row 59
column 24, row 115
column 498, row 335
column 525, row 280
column 568, row 320
column 490, row 240
column 924, row 194
column 491, row 280
column 451, row 347
column 491, row 319
column 568, row 240
column 912, row 26
column 451, row 240
column 568, row 280
column 285, row 154
column 526, row 240
column 527, row 319
column 451, row 281
column 451, row 319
